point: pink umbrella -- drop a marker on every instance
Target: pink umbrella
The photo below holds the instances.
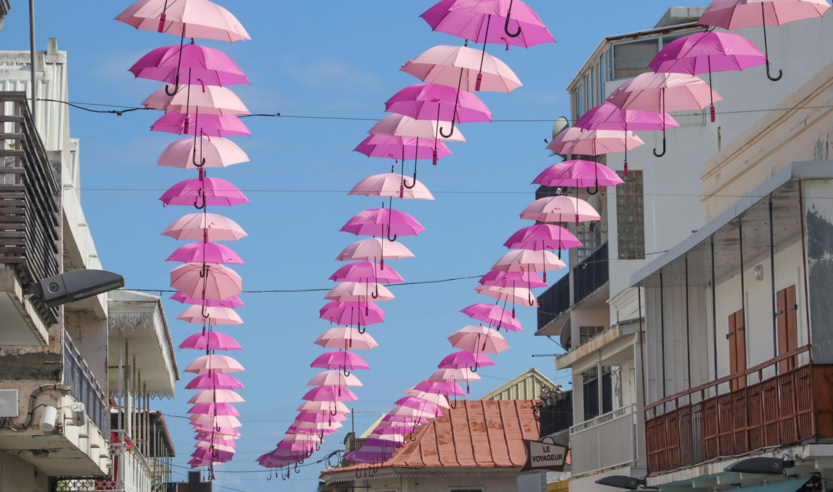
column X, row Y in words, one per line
column 401, row 411
column 366, row 271
column 214, row 381
column 318, row 426
column 215, row 420
column 465, row 68
column 346, row 338
column 216, row 445
column 323, row 407
column 217, row 440
column 210, row 125
column 404, row 126
column 478, row 339
column 298, row 446
column 207, row 99
column 334, row 378
column 209, row 65
column 185, row 18
column 439, row 400
column 734, row 14
column 513, row 279
column 398, row 429
column 359, row 291
column 206, row 252
column 314, row 428
column 462, row 374
column 593, row 142
column 214, row 363
column 216, row 396
column 231, row 302
column 560, row 209
column 419, row 404
column 214, row 409
column 215, row 455
column 578, row 174
column 440, row 103
column 448, row 389
column 664, row 92
column 329, row 393
column 194, row 227
column 203, row 191
column 352, row 313
column 409, row 420
column 402, row 148
column 346, row 361
column 206, row 281
column 493, row 315
column 374, row 248
column 515, row 295
column 227, row 432
column 607, row 116
column 318, row 417
column 542, row 236
column 466, row 359
column 210, row 152
column 212, row 340
column 525, row 260
column 391, row 185
column 383, row 222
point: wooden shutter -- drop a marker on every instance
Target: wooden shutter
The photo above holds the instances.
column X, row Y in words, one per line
column 787, row 322
column 737, row 348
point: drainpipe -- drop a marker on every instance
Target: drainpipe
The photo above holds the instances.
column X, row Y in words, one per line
column 32, row 58
column 662, row 329
column 714, row 311
column 772, row 283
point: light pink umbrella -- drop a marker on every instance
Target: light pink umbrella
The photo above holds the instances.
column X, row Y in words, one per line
column 329, row 393
column 346, row 338
column 401, row 411
column 216, row 396
column 318, row 426
column 578, row 173
column 208, row 99
column 343, row 360
column 323, row 407
column 214, row 381
column 401, row 148
column 226, row 432
column 319, row 417
column 493, row 315
column 207, row 152
column 664, row 92
column 391, row 185
column 203, row 191
column 359, row 291
column 306, row 428
column 439, row 103
column 215, row 445
column 211, row 340
column 186, row 18
column 206, row 281
column 206, row 252
column 209, row 65
column 214, row 363
column 217, row 440
column 374, row 248
column 479, row 339
column 404, row 126
column 366, row 271
column 464, row 68
column 560, row 209
column 448, row 389
column 608, row 116
column 231, row 302
column 194, row 227
column 734, row 14
column 215, row 420
column 542, row 236
column 211, row 125
column 210, row 315
column 515, row 295
column 298, row 446
column 214, row 409
column 419, row 404
column 593, row 142
column 387, row 437
column 383, row 222
column 352, row 313
column 525, row 260
column 334, row 378
column 393, row 429
column 513, row 279
column 449, row 374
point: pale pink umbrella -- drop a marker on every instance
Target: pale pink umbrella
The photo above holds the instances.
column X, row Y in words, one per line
column 185, row 18
column 334, row 378
column 319, row 417
column 391, row 185
column 453, row 375
column 515, row 295
column 310, row 428
column 359, row 291
column 386, row 437
column 209, row 65
column 343, row 360
column 440, row 103
column 203, row 191
column 329, row 393
column 374, row 248
column 214, row 381
column 442, row 388
column 346, row 338
column 401, row 148
column 404, row 126
column 323, row 407
column 560, row 209
column 227, row 432
column 214, row 409
column 210, row 152
column 664, row 92
column 525, row 260
column 216, row 396
column 578, row 173
column 215, row 445
column 352, row 313
column 206, row 252
column 215, row 420
column 383, row 222
column 401, row 411
column 478, row 339
column 366, row 271
column 301, row 438
column 231, row 302
column 214, row 363
column 217, row 440
column 208, row 99
column 210, row 315
column 392, row 429
column 465, row 358
column 464, row 68
column 298, row 446
column 318, row 426
column 211, row 125
column 195, row 227
column 211, row 340
column 542, row 236
column 493, row 315
column 594, row 142
column 206, row 281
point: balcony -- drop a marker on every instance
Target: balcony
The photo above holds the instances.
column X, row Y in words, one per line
column 594, row 450
column 84, row 387
column 591, row 274
column 713, row 420
column 130, row 472
column 554, row 301
column 30, row 221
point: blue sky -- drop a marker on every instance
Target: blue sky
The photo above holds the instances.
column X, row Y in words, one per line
column 323, row 59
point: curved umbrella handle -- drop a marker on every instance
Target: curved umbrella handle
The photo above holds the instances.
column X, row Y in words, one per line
column 531, row 300
column 346, row 372
column 660, row 154
column 333, row 412
column 506, row 25
column 473, row 369
column 204, row 313
column 375, row 294
column 392, row 239
column 412, row 437
column 769, row 75
column 297, row 470
column 453, row 404
column 405, row 183
column 197, row 201
column 594, row 190
column 361, row 330
column 451, row 132
column 194, row 156
column 269, row 476
column 176, row 86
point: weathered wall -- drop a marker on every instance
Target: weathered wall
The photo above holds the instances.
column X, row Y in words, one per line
column 818, row 211
column 17, row 475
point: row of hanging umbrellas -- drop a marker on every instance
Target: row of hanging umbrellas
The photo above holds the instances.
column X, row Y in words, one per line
column 196, row 101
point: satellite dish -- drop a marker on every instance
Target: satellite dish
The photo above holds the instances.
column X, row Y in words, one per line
column 566, row 335
column 560, row 125
column 595, row 201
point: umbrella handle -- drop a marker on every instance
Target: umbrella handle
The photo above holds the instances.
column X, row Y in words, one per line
column 197, row 201
column 333, row 412
column 454, row 406
column 412, row 437
column 346, row 373
column 361, row 330
column 194, row 156
column 506, row 25
column 176, row 87
column 531, row 300
column 297, row 470
column 204, row 313
column 376, row 293
column 769, row 75
column 473, row 369
column 392, row 239
column 405, row 183
column 451, row 132
column 595, row 190
column 660, row 154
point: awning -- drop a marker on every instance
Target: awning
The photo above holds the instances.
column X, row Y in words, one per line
column 789, row 486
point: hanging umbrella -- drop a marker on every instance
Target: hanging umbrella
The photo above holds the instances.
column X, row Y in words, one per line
column 464, row 358
column 707, row 52
column 215, row 456
column 493, row 315
column 465, row 68
column 215, row 420
column 334, row 378
column 447, row 389
column 216, row 396
column 206, row 252
column 454, row 375
column 227, row 432
column 436, row 399
column 341, row 359
column 230, row 302
column 387, row 436
column 208, row 152
column 206, row 281
column 735, row 14
column 530, row 280
column 216, row 445
column 525, row 260
column 403, row 411
column 664, row 92
column 210, row 125
column 352, row 313
column 409, row 420
column 214, row 381
column 359, row 291
column 323, row 407
column 391, row 185
column 543, row 236
column 203, row 191
column 560, row 209
column 478, row 339
column 214, row 363
column 366, row 271
column 346, row 338
column 578, row 173
column 212, row 340
column 374, row 248
column 204, row 227
column 209, row 99
column 394, row 429
column 214, row 409
column 383, row 222
column 404, row 126
column 185, row 18
column 607, row 116
column 317, row 417
column 515, row 295
column 401, row 148
column 593, row 142
column 329, row 393
column 210, row 66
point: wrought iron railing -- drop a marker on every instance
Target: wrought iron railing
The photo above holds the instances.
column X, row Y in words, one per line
column 30, row 211
column 740, row 413
column 554, row 301
column 592, row 273
column 592, row 446
column 84, row 387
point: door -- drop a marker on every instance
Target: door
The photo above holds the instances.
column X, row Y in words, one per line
column 737, row 348
column 786, row 318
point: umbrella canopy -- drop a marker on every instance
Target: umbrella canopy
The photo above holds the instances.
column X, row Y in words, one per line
column 204, row 226
column 464, row 358
column 450, row 374
column 231, row 302
column 464, row 68
column 329, row 393
column 212, row 340
column 479, row 339
column 214, row 409
column 323, row 407
column 493, row 315
column 593, row 142
column 211, row 66
column 404, row 126
column 209, row 99
column 515, row 295
column 187, row 18
column 663, row 92
column 374, row 248
column 359, row 291
column 334, row 378
column 735, row 14
column 366, row 271
column 340, row 360
column 542, row 236
column 560, row 209
column 206, row 281
column 436, row 399
column 404, row 411
column 214, row 381
column 317, row 417
column 391, row 185
column 209, row 152
column 216, row 396
column 608, row 116
column 525, row 260
column 706, row 52
column 346, row 338
column 403, row 148
column 216, row 445
column 200, row 192
column 442, row 388
column 211, row 125
column 383, row 222
column 438, row 102
column 352, row 313
column 214, row 363
column 578, row 173
column 419, row 404
column 206, row 252
column 514, row 22
column 530, row 280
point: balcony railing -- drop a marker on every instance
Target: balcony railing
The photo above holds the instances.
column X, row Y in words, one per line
column 591, row 274
column 702, row 423
column 554, row 301
column 30, row 212
column 130, row 471
column 593, row 449
column 83, row 386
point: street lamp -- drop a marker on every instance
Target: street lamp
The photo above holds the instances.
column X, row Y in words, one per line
column 73, row 286
column 624, row 482
column 762, row 465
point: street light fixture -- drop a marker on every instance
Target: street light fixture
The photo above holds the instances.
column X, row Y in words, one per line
column 73, row 286
column 624, row 482
column 762, row 465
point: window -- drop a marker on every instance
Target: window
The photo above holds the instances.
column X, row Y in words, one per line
column 630, row 216
column 580, row 101
column 787, row 321
column 632, row 59
column 737, row 348
column 588, row 332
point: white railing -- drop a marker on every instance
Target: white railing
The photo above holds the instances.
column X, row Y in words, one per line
column 592, row 447
column 130, row 472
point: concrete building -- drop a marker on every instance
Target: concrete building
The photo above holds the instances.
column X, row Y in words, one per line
column 596, row 310
column 59, row 366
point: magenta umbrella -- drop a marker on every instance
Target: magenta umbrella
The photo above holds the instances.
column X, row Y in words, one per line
column 418, row 403
column 203, row 191
column 209, row 65
column 215, row 455
column 478, row 339
column 346, row 361
column 352, row 313
column 403, row 148
column 541, row 237
column 231, row 302
column 205, row 227
column 366, row 271
column 214, row 409
column 210, row 125
column 185, row 18
column 330, row 393
column 206, row 281
column 346, row 338
column 383, row 222
column 457, row 360
column 206, row 252
column 513, row 279
column 493, row 315
column 607, row 116
column 210, row 152
column 214, row 381
column 212, row 340
column 578, row 173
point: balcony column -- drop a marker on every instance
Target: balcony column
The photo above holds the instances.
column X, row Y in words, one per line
column 714, row 310
column 662, row 331
column 772, row 284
